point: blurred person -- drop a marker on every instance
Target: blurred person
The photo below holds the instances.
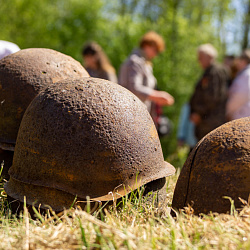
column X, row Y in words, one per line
column 7, row 48
column 238, row 104
column 185, row 132
column 208, row 102
column 136, row 73
column 229, row 62
column 97, row 63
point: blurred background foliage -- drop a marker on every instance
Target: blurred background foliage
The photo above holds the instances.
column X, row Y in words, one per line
column 65, row 25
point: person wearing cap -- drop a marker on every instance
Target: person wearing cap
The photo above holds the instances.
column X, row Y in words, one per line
column 208, row 102
column 136, row 72
column 238, row 104
column 7, row 48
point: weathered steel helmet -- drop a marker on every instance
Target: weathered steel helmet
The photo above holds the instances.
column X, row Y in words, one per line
column 22, row 76
column 84, row 137
column 219, row 166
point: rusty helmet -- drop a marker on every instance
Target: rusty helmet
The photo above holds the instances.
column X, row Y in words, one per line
column 217, row 168
column 22, row 76
column 85, row 137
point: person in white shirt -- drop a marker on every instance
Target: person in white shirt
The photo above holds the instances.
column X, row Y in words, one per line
column 7, row 48
column 238, row 104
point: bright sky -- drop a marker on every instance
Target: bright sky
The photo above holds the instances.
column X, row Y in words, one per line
column 233, row 28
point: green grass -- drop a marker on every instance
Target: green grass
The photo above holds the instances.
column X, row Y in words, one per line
column 137, row 224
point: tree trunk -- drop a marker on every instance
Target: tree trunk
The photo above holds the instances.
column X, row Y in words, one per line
column 245, row 41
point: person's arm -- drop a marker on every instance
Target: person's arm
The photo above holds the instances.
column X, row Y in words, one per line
column 162, row 98
column 112, row 77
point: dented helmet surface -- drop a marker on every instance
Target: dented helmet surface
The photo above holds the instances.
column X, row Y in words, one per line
column 22, row 76
column 218, row 168
column 85, row 137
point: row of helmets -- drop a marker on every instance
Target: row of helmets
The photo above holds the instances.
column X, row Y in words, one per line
column 73, row 135
column 86, row 137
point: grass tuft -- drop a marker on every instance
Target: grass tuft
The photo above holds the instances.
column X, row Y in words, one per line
column 133, row 223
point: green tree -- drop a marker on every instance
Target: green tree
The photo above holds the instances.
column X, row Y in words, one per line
column 60, row 25
column 64, row 25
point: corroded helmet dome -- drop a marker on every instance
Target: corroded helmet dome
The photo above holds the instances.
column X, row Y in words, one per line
column 84, row 137
column 22, row 76
column 218, row 167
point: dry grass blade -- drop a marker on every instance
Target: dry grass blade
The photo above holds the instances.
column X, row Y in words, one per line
column 101, row 224
column 26, row 220
column 134, row 225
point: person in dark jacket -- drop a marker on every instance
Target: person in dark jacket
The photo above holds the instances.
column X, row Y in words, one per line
column 208, row 102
